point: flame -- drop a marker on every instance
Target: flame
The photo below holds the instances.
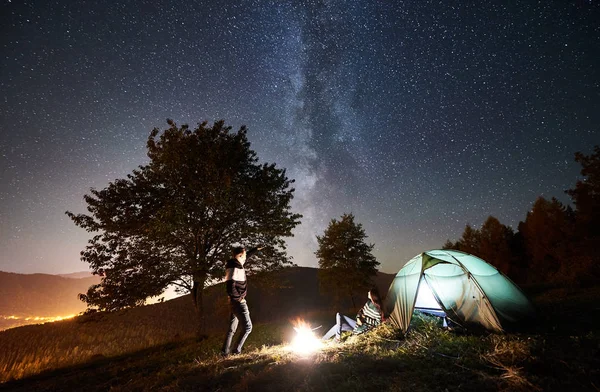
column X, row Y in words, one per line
column 305, row 341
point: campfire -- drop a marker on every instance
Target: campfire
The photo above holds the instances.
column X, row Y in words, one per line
column 305, row 341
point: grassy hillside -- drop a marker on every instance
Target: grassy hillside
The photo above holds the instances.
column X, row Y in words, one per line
column 287, row 295
column 428, row 359
column 155, row 348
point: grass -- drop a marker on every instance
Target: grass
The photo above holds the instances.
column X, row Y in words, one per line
column 31, row 349
column 429, row 358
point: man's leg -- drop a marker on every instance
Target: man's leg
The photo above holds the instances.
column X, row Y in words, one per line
column 244, row 316
column 233, row 324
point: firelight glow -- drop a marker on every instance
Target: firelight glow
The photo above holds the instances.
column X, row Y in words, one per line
column 305, row 342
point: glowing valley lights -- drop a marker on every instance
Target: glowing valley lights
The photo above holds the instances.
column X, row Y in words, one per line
column 40, row 319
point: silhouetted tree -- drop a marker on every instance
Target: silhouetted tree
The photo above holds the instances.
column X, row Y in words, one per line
column 519, row 268
column 345, row 259
column 469, row 241
column 492, row 243
column 495, row 244
column 449, row 245
column 547, row 234
column 584, row 267
column 586, row 194
column 174, row 220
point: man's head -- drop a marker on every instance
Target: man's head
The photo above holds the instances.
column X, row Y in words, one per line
column 239, row 253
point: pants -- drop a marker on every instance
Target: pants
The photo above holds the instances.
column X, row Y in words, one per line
column 342, row 323
column 239, row 311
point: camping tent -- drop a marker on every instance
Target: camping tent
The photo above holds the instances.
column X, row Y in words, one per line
column 457, row 285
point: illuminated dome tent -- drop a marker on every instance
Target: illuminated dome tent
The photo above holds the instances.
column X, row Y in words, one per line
column 457, row 285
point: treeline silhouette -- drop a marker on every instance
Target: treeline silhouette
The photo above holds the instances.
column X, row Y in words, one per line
column 554, row 244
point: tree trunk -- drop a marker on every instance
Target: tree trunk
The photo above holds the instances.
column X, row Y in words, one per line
column 197, row 297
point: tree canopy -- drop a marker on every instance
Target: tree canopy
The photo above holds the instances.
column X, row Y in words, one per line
column 548, row 236
column 492, row 243
column 174, row 220
column 346, row 264
column 586, row 194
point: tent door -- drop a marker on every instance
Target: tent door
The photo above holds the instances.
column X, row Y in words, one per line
column 427, row 303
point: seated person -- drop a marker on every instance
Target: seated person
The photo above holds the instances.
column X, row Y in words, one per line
column 371, row 315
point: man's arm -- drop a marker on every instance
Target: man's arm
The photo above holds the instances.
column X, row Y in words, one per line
column 253, row 251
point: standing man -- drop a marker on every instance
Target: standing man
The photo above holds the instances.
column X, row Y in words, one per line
column 235, row 277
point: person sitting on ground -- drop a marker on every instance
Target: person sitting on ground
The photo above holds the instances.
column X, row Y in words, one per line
column 370, row 316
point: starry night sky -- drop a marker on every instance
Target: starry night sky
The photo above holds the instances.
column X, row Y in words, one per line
column 418, row 117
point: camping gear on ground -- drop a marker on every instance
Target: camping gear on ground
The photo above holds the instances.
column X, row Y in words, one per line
column 459, row 286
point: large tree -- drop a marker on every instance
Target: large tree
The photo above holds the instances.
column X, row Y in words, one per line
column 470, row 241
column 346, row 264
column 548, row 238
column 586, row 194
column 174, row 220
column 493, row 243
column 585, row 264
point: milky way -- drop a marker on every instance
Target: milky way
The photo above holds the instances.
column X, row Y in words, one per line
column 418, row 117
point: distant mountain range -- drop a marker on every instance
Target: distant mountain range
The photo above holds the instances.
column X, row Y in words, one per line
column 77, row 275
column 43, row 295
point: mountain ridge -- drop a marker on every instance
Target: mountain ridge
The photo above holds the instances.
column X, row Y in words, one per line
column 41, row 294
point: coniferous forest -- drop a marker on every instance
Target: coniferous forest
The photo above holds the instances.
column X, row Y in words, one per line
column 555, row 243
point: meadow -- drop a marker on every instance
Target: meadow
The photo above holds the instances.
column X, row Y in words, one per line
column 156, row 348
